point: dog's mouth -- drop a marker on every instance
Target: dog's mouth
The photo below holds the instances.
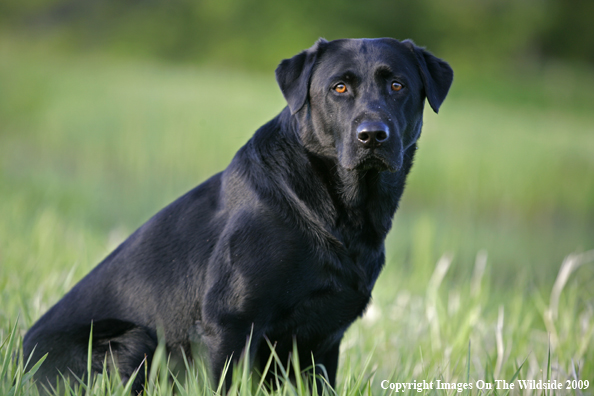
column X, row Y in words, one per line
column 375, row 162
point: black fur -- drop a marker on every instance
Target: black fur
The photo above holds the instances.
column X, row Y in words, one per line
column 286, row 243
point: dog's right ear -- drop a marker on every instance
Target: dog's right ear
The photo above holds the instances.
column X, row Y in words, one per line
column 293, row 75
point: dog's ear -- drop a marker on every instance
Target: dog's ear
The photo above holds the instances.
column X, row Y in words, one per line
column 437, row 75
column 293, row 75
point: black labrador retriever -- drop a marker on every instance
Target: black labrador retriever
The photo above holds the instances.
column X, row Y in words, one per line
column 285, row 244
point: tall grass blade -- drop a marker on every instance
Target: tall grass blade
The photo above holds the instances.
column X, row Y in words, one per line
column 513, row 378
column 297, row 370
column 265, row 372
column 548, row 377
column 90, row 361
column 16, row 389
column 245, row 372
column 156, row 366
column 34, row 369
column 468, row 366
column 359, row 378
column 9, row 348
column 190, row 382
column 66, row 383
column 226, row 368
column 180, row 388
column 279, row 364
column 128, row 387
column 499, row 343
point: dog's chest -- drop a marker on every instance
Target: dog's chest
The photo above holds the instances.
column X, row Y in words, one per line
column 363, row 253
column 321, row 316
column 336, row 298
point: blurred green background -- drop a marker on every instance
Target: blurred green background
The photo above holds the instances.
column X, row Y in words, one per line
column 256, row 33
column 110, row 109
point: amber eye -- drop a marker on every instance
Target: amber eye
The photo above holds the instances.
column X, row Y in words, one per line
column 340, row 88
column 396, row 86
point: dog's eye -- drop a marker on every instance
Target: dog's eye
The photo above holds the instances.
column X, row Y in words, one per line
column 396, row 86
column 340, row 88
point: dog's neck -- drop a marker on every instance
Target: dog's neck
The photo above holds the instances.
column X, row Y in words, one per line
column 344, row 212
column 367, row 198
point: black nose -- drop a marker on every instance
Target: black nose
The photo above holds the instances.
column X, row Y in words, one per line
column 372, row 134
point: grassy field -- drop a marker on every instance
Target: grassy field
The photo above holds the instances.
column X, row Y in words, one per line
column 501, row 193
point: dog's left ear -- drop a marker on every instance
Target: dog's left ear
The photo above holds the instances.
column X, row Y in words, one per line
column 293, row 75
column 437, row 75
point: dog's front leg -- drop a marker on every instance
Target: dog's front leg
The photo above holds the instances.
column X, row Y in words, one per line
column 329, row 362
column 227, row 346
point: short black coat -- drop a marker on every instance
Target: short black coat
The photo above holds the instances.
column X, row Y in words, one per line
column 285, row 244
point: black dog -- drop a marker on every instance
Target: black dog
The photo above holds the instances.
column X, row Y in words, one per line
column 285, row 244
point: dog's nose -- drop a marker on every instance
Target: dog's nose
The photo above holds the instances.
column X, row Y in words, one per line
column 372, row 134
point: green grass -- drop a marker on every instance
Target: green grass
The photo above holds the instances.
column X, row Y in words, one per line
column 501, row 192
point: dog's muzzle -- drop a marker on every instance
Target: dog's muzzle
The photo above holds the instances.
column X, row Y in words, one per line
column 377, row 148
column 372, row 134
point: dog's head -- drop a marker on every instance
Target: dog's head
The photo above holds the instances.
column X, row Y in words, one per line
column 361, row 101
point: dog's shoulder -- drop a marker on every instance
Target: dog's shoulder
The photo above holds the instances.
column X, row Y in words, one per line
column 272, row 175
